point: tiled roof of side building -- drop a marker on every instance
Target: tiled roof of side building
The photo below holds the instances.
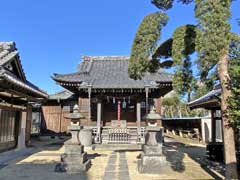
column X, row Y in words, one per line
column 62, row 95
column 8, row 53
column 110, row 72
column 213, row 95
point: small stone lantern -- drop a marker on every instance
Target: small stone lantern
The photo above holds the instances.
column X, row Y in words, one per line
column 152, row 159
column 75, row 126
column 75, row 116
column 152, row 117
column 74, row 159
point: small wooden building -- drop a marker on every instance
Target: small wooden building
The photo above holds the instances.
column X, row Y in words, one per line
column 108, row 98
column 17, row 95
column 212, row 101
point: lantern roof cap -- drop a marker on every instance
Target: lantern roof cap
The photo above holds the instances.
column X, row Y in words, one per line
column 75, row 115
column 153, row 115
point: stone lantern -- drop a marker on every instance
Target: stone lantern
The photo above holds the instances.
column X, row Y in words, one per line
column 152, row 159
column 75, row 116
column 75, row 126
column 74, row 159
column 152, row 117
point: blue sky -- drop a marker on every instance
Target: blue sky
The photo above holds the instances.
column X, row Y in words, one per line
column 52, row 35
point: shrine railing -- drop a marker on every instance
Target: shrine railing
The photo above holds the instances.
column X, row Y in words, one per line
column 128, row 135
column 119, row 136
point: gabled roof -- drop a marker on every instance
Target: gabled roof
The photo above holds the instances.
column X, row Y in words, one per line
column 8, row 54
column 62, row 95
column 11, row 71
column 102, row 72
column 209, row 100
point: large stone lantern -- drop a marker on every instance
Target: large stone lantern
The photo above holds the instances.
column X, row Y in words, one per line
column 75, row 116
column 152, row 159
column 152, row 117
column 75, row 126
column 74, row 159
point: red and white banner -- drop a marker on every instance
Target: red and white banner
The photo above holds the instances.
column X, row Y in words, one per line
column 119, row 111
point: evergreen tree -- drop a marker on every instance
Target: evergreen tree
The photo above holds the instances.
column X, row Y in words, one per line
column 235, row 82
column 184, row 82
column 213, row 46
column 183, row 45
column 145, row 44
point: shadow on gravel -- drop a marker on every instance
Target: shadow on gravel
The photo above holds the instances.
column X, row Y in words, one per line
column 38, row 170
column 198, row 154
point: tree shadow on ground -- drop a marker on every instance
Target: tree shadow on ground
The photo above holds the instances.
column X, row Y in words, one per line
column 38, row 170
column 198, row 154
column 94, row 155
column 127, row 150
column 174, row 156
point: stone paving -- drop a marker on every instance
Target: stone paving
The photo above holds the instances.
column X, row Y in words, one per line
column 117, row 167
column 108, row 163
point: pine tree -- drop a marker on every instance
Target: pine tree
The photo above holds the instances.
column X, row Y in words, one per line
column 145, row 44
column 212, row 43
column 235, row 82
column 183, row 46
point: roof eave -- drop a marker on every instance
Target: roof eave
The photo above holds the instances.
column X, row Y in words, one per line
column 23, row 85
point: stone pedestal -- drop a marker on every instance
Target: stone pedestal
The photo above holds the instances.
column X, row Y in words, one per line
column 85, row 137
column 152, row 159
column 74, row 160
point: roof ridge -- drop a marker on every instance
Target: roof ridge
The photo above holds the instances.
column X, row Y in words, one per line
column 62, row 91
column 7, row 48
column 88, row 58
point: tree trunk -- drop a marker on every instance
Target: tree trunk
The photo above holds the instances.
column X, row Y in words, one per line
column 228, row 130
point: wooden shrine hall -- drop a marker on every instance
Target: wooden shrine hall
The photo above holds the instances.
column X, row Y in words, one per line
column 111, row 102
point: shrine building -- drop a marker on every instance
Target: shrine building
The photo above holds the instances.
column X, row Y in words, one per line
column 107, row 97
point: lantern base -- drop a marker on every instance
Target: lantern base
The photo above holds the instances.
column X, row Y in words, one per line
column 153, row 161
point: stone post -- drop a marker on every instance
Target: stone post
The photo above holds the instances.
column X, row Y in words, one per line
column 99, row 116
column 22, row 130
column 213, row 125
column 139, row 120
column 28, row 125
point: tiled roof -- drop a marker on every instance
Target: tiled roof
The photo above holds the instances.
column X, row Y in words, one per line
column 212, row 96
column 8, row 51
column 110, row 72
column 65, row 94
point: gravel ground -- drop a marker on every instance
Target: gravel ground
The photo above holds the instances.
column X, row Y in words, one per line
column 117, row 162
